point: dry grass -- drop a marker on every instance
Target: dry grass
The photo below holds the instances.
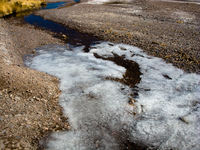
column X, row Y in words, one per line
column 14, row 6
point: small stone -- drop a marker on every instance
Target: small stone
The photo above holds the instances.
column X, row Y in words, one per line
column 37, row 99
column 153, row 42
column 110, row 44
column 33, row 51
column 179, row 21
column 122, row 48
column 31, row 99
column 64, row 36
column 131, row 101
column 18, row 115
column 45, row 128
column 11, row 96
column 184, row 120
column 17, row 98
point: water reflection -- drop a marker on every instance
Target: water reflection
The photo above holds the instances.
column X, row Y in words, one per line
column 53, row 5
column 69, row 35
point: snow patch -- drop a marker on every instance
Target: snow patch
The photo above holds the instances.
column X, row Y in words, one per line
column 167, row 107
column 186, row 17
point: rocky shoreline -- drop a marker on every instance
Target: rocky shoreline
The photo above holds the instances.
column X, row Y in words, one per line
column 29, row 106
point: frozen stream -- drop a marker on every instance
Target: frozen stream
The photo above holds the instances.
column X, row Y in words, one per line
column 164, row 114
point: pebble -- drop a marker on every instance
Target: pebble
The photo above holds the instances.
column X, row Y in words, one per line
column 18, row 115
column 33, row 51
column 17, row 98
column 184, row 120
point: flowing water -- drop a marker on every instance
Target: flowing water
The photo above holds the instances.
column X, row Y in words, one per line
column 160, row 109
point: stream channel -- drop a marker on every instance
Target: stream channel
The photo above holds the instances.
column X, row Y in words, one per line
column 116, row 96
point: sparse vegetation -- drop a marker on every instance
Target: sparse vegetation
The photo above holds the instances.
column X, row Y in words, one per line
column 8, row 7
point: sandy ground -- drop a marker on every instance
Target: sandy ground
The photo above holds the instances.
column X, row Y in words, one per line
column 164, row 29
column 29, row 106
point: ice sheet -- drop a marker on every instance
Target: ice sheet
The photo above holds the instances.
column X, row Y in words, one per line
column 165, row 115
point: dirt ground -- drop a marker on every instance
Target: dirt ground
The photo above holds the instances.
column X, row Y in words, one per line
column 165, row 29
column 28, row 99
column 29, row 107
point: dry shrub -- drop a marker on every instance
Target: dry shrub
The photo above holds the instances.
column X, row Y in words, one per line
column 14, row 6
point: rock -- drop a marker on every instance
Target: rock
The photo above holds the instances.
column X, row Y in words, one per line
column 31, row 99
column 122, row 48
column 179, row 21
column 17, row 98
column 153, row 42
column 184, row 120
column 64, row 36
column 18, row 115
column 45, row 128
column 131, row 101
column 33, row 51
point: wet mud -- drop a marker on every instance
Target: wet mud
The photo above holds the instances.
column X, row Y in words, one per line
column 132, row 74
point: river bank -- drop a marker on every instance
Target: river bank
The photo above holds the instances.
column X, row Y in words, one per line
column 161, row 28
column 29, row 99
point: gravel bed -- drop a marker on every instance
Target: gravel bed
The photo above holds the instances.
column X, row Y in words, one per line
column 29, row 107
column 161, row 28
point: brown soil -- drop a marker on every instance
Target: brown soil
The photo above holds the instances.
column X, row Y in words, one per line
column 28, row 99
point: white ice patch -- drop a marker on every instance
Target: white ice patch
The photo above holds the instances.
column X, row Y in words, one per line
column 167, row 106
column 184, row 16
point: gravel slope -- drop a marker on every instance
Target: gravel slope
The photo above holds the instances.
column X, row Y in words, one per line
column 28, row 99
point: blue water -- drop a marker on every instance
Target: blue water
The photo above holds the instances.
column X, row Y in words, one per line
column 53, row 5
column 74, row 37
